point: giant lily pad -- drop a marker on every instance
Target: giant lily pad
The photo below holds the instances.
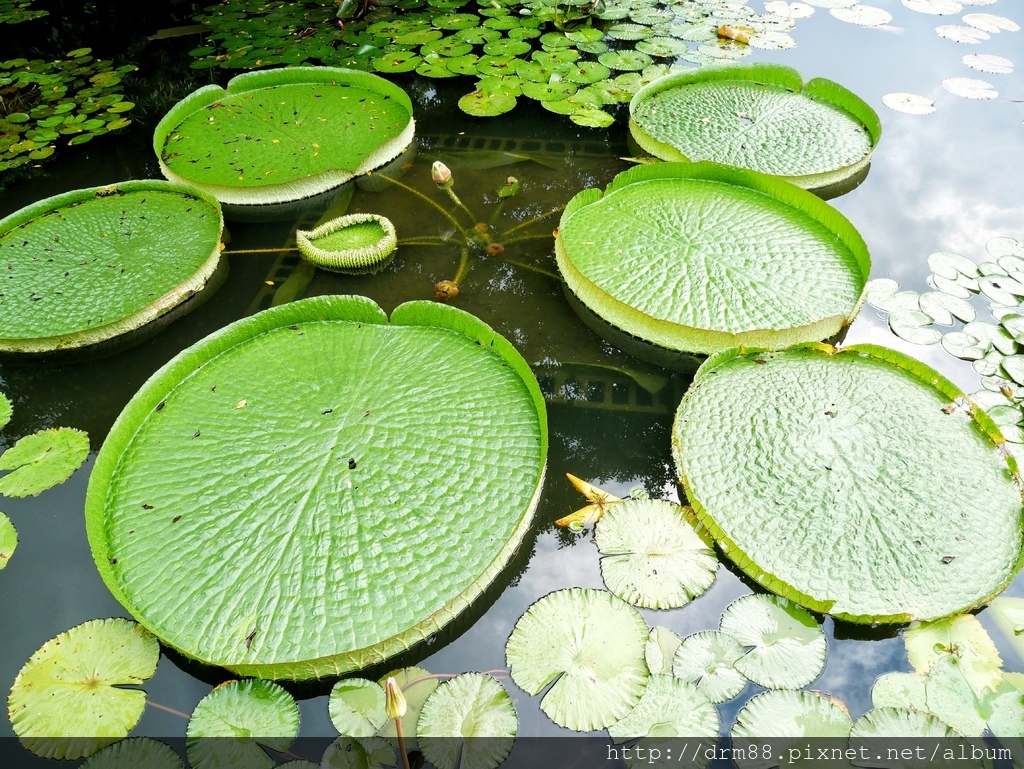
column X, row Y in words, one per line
column 698, row 257
column 851, row 483
column 761, row 117
column 91, row 264
column 588, row 646
column 364, row 463
column 271, row 136
column 73, row 685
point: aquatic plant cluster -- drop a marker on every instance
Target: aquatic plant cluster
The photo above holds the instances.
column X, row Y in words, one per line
column 576, row 59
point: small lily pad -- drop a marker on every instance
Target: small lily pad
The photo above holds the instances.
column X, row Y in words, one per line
column 653, row 557
column 487, row 103
column 356, row 707
column 960, row 34
column 990, row 335
column 626, row 31
column 630, row 61
column 943, row 308
column 549, row 91
column 588, row 645
column 399, row 61
column 862, row 15
column 792, row 714
column 988, row 22
column 8, row 539
column 708, row 659
column 1009, row 616
column 909, row 103
column 135, row 753
column 961, row 639
column 670, row 707
column 914, row 326
column 963, row 346
column 934, row 7
column 360, row 753
column 895, row 724
column 5, row 411
column 254, row 713
column 970, row 88
column 592, row 118
column 42, row 460
column 986, row 62
column 661, row 649
column 73, row 685
column 460, row 712
column 785, row 646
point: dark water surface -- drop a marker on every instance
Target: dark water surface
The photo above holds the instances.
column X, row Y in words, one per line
column 947, row 181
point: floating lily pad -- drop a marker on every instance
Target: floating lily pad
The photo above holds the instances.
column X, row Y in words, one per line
column 267, row 138
column 790, row 717
column 934, row 7
column 652, row 556
column 5, row 411
column 785, row 646
column 943, row 308
column 355, row 243
column 134, row 753
column 481, row 103
column 346, row 401
column 862, row 15
column 669, row 707
column 895, row 724
column 91, row 264
column 961, row 34
column 1009, row 616
column 761, row 117
column 986, row 62
column 961, row 639
column 647, row 258
column 989, row 22
column 73, row 686
column 357, row 707
column 708, row 659
column 399, row 61
column 661, row 649
column 830, row 421
column 627, row 60
column 8, row 539
column 42, row 460
column 970, row 88
column 359, row 753
column 909, row 103
column 591, row 118
column 469, row 720
column 588, row 646
column 914, row 326
column 246, row 716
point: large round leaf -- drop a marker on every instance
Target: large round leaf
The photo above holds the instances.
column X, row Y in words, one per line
column 365, row 453
column 231, row 725
column 850, row 482
column 785, row 644
column 759, row 116
column 271, row 136
column 588, row 646
column 652, row 556
column 91, row 264
column 699, row 257
column 469, row 720
column 72, row 687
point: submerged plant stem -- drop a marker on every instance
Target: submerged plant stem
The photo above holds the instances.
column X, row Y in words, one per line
column 537, row 218
column 426, row 240
column 401, row 743
column 260, row 250
column 537, row 236
column 463, row 266
column 423, row 197
column 448, row 188
column 532, row 268
column 166, row 709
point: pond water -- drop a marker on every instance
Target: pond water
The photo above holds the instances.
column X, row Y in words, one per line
column 946, row 181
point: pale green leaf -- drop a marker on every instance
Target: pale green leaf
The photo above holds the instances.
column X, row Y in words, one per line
column 964, row 641
column 469, row 720
column 708, row 659
column 661, row 649
column 356, row 707
column 135, row 753
column 670, row 707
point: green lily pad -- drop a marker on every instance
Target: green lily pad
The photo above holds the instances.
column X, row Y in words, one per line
column 895, row 724
column 481, row 103
column 360, row 753
column 1009, row 616
column 417, row 685
column 42, row 460
column 785, row 646
column 469, row 720
column 399, row 61
column 943, row 693
column 73, row 685
column 661, row 649
column 556, row 91
column 8, row 539
column 252, row 714
column 588, row 646
column 5, row 411
column 862, row 15
column 581, row 100
column 964, row 641
column 357, row 707
column 587, row 72
column 628, row 31
column 761, row 117
column 133, row 753
column 630, row 61
column 463, row 65
column 347, row 443
column 708, row 659
column 449, row 47
column 507, row 47
column 728, row 281
column 652, row 556
column 267, row 137
column 829, row 421
column 357, row 243
column 92, row 264
column 669, row 707
column 794, row 714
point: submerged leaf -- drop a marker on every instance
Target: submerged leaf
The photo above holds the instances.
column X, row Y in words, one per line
column 589, row 646
column 42, row 460
column 72, row 687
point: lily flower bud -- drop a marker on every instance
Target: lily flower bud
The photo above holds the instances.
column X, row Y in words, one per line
column 394, row 700
column 440, row 173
